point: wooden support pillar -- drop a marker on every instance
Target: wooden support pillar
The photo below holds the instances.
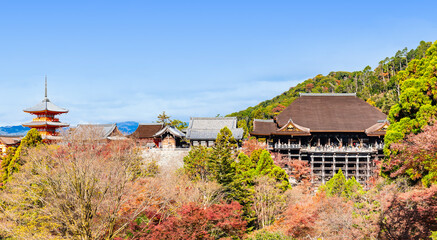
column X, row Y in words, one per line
column 333, row 165
column 323, row 169
column 368, row 167
column 346, row 158
column 357, row 167
column 312, row 168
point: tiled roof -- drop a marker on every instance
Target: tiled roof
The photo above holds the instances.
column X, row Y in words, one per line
column 331, row 112
column 10, row 140
column 146, row 130
column 377, row 129
column 172, row 130
column 45, row 106
column 45, row 124
column 323, row 113
column 104, row 130
column 263, row 127
column 201, row 128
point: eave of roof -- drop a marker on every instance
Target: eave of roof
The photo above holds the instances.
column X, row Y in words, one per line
column 45, row 124
column 170, row 129
column 46, row 106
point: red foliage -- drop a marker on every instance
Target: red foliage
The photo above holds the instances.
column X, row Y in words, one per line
column 193, row 222
column 278, row 108
column 309, row 86
column 410, row 215
column 298, row 169
column 416, row 156
column 318, row 215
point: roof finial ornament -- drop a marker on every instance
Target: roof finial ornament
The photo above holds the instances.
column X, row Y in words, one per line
column 46, row 86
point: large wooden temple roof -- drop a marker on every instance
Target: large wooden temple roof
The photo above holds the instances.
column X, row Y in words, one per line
column 324, row 113
column 331, row 112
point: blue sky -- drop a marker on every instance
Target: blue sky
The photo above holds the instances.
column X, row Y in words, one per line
column 111, row 61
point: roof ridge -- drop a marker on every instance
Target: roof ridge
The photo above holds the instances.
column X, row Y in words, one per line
column 218, row 118
column 263, row 120
column 328, row 94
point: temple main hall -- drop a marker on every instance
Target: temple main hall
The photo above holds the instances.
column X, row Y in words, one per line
column 330, row 132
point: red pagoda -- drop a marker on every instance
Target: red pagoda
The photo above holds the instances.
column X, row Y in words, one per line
column 45, row 121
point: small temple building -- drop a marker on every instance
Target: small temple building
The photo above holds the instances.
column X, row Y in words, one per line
column 330, row 132
column 106, row 132
column 144, row 135
column 170, row 137
column 202, row 131
column 46, row 121
column 9, row 141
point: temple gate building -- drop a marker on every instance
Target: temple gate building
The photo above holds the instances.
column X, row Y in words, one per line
column 46, row 121
column 330, row 131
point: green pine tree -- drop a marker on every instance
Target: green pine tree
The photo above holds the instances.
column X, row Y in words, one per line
column 222, row 160
column 339, row 186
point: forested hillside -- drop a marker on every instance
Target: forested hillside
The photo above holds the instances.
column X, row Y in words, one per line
column 379, row 86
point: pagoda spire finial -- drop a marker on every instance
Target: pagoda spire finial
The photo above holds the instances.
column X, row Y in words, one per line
column 46, row 87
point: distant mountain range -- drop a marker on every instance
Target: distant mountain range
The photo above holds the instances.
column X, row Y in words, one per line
column 126, row 128
column 14, row 130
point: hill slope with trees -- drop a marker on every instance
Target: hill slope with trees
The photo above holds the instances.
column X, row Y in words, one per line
column 379, row 87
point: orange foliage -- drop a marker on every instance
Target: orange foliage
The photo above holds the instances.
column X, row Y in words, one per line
column 278, row 108
column 309, row 86
column 316, row 216
column 251, row 145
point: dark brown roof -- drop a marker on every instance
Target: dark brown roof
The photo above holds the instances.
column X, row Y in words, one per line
column 263, row 127
column 331, row 113
column 324, row 113
column 147, row 130
column 10, row 140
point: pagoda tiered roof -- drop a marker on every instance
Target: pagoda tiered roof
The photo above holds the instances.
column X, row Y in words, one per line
column 45, row 106
column 45, row 124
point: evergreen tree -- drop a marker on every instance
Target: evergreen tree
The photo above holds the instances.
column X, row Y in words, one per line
column 221, row 161
column 163, row 118
column 12, row 164
column 339, row 186
column 4, row 164
column 336, row 185
column 196, row 163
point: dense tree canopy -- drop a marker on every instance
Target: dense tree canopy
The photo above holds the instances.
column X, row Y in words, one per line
column 14, row 158
column 379, row 86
